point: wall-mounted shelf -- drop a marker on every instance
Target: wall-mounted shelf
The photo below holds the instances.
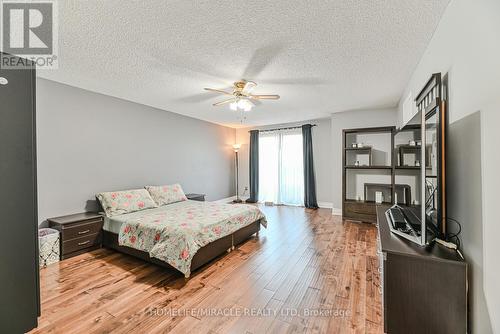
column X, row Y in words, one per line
column 411, row 167
column 410, row 147
column 368, row 167
column 368, row 148
column 408, row 167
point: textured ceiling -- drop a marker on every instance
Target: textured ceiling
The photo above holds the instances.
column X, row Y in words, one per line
column 320, row 56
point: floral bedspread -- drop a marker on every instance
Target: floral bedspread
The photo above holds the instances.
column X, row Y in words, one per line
column 174, row 233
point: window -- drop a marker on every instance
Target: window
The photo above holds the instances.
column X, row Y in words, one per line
column 281, row 169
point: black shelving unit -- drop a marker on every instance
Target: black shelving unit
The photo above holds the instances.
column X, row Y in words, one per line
column 364, row 210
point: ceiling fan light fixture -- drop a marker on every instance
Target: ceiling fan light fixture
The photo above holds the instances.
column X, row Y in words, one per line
column 244, row 104
column 233, row 106
column 242, row 100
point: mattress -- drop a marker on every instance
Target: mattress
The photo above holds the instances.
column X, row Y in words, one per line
column 174, row 233
column 112, row 225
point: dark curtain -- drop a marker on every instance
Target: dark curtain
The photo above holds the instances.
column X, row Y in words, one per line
column 309, row 179
column 254, row 167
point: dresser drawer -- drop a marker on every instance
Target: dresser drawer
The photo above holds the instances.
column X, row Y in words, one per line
column 82, row 229
column 360, row 217
column 365, row 212
column 84, row 242
column 363, row 208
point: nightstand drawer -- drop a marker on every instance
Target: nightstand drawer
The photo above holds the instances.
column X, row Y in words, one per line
column 77, row 244
column 81, row 229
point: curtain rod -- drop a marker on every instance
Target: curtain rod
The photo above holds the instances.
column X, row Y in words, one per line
column 287, row 128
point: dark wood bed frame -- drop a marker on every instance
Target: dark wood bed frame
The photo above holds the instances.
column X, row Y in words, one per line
column 202, row 257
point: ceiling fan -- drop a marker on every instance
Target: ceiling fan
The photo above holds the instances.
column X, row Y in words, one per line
column 241, row 96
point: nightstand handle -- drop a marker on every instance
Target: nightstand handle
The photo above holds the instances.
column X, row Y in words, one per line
column 83, row 243
column 84, row 232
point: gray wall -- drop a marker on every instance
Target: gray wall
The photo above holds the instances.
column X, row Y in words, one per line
column 88, row 143
column 322, row 157
column 465, row 46
column 349, row 120
column 465, row 204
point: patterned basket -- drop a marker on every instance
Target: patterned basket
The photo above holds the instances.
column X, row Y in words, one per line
column 49, row 246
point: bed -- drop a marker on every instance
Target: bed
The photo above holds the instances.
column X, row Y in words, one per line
column 184, row 235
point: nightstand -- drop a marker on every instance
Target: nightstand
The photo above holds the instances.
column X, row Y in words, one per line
column 79, row 233
column 196, row 197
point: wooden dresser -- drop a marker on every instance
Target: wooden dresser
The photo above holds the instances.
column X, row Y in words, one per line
column 424, row 289
column 79, row 233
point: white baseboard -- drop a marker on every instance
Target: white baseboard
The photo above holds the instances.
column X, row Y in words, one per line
column 325, row 205
column 336, row 212
column 329, row 205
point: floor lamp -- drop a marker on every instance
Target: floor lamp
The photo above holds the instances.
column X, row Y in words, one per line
column 236, row 148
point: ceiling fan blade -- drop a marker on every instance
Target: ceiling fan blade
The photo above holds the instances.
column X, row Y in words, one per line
column 218, row 91
column 255, row 102
column 264, row 97
column 248, row 87
column 224, row 102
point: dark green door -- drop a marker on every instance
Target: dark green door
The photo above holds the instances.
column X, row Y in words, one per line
column 19, row 274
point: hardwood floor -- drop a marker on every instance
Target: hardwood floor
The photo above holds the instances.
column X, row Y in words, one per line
column 308, row 272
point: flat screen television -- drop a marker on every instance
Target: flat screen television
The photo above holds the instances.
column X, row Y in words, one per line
column 421, row 163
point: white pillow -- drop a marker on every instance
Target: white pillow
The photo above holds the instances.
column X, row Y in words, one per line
column 168, row 194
